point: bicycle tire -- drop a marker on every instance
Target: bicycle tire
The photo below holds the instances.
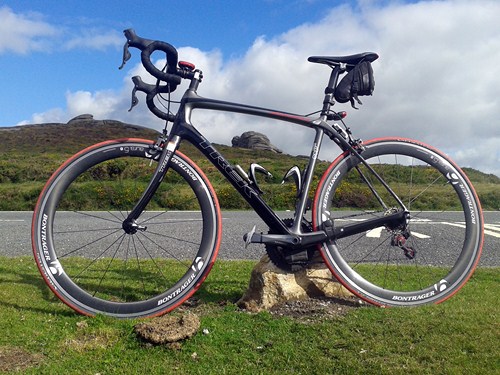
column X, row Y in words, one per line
column 438, row 194
column 87, row 258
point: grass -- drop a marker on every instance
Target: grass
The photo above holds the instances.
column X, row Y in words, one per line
column 40, row 335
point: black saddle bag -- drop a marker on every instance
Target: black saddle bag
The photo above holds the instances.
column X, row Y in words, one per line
column 357, row 82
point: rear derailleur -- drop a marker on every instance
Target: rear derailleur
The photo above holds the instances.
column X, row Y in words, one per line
column 399, row 239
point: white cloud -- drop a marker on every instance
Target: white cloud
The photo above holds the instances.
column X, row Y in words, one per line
column 486, row 155
column 22, row 33
column 94, row 39
column 437, row 79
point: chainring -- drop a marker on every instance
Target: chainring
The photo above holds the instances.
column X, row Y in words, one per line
column 287, row 259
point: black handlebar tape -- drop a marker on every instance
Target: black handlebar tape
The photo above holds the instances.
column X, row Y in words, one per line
column 151, row 105
column 171, row 54
column 151, row 91
column 136, row 41
column 149, row 88
column 147, row 47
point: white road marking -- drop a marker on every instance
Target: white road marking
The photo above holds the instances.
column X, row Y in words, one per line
column 419, row 235
column 492, row 230
column 375, row 233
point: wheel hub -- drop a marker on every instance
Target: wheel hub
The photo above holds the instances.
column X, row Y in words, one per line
column 131, row 227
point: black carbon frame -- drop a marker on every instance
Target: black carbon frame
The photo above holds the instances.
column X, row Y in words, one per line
column 183, row 129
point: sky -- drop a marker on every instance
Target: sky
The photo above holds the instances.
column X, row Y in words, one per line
column 437, row 78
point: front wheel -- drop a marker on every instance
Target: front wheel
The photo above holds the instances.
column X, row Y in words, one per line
column 429, row 259
column 94, row 262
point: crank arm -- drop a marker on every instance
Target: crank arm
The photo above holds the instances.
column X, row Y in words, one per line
column 287, row 240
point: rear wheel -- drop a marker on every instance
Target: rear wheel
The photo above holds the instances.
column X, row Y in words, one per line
column 94, row 262
column 425, row 262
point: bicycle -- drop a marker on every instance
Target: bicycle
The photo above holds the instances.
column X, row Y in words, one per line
column 372, row 216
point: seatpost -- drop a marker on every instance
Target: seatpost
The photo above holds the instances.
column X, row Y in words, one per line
column 330, row 90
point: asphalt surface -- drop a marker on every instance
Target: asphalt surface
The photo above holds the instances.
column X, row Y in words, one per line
column 15, row 232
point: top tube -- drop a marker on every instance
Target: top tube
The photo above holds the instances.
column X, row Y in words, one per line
column 193, row 101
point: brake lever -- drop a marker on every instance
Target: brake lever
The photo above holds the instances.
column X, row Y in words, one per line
column 148, row 89
column 135, row 101
column 134, row 41
column 126, row 55
column 141, row 86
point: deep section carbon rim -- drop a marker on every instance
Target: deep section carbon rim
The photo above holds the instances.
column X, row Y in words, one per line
column 430, row 259
column 93, row 264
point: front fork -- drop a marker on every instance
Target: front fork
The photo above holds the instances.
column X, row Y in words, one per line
column 130, row 225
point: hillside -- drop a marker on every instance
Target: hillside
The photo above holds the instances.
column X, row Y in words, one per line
column 66, row 138
column 25, row 146
column 30, row 153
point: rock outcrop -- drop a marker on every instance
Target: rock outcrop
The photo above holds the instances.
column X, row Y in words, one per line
column 270, row 286
column 254, row 140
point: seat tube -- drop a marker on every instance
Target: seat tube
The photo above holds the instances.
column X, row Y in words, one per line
column 304, row 193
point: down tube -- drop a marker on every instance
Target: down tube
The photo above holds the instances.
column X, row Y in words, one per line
column 245, row 190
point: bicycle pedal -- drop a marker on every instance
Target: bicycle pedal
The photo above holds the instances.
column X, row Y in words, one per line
column 248, row 237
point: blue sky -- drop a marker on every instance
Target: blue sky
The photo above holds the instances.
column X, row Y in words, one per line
column 37, row 79
column 437, row 79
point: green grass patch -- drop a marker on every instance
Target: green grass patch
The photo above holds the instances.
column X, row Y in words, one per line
column 458, row 336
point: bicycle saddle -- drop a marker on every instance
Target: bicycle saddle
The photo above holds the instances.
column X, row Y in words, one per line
column 349, row 59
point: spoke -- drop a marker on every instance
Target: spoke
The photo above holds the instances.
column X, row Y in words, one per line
column 434, row 216
column 150, row 257
column 97, row 217
column 154, row 217
column 172, row 238
column 419, row 253
column 427, row 188
column 362, row 235
column 125, row 273
column 361, row 213
column 375, row 265
column 171, row 221
column 166, row 212
column 99, row 256
column 358, row 262
column 138, row 264
column 410, row 192
column 166, row 251
column 90, row 243
column 418, row 270
column 85, row 230
column 388, row 258
column 119, row 220
column 109, row 264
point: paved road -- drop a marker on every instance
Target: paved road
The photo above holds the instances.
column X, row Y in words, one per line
column 15, row 228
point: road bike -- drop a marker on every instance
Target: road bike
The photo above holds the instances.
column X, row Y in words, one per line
column 131, row 227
